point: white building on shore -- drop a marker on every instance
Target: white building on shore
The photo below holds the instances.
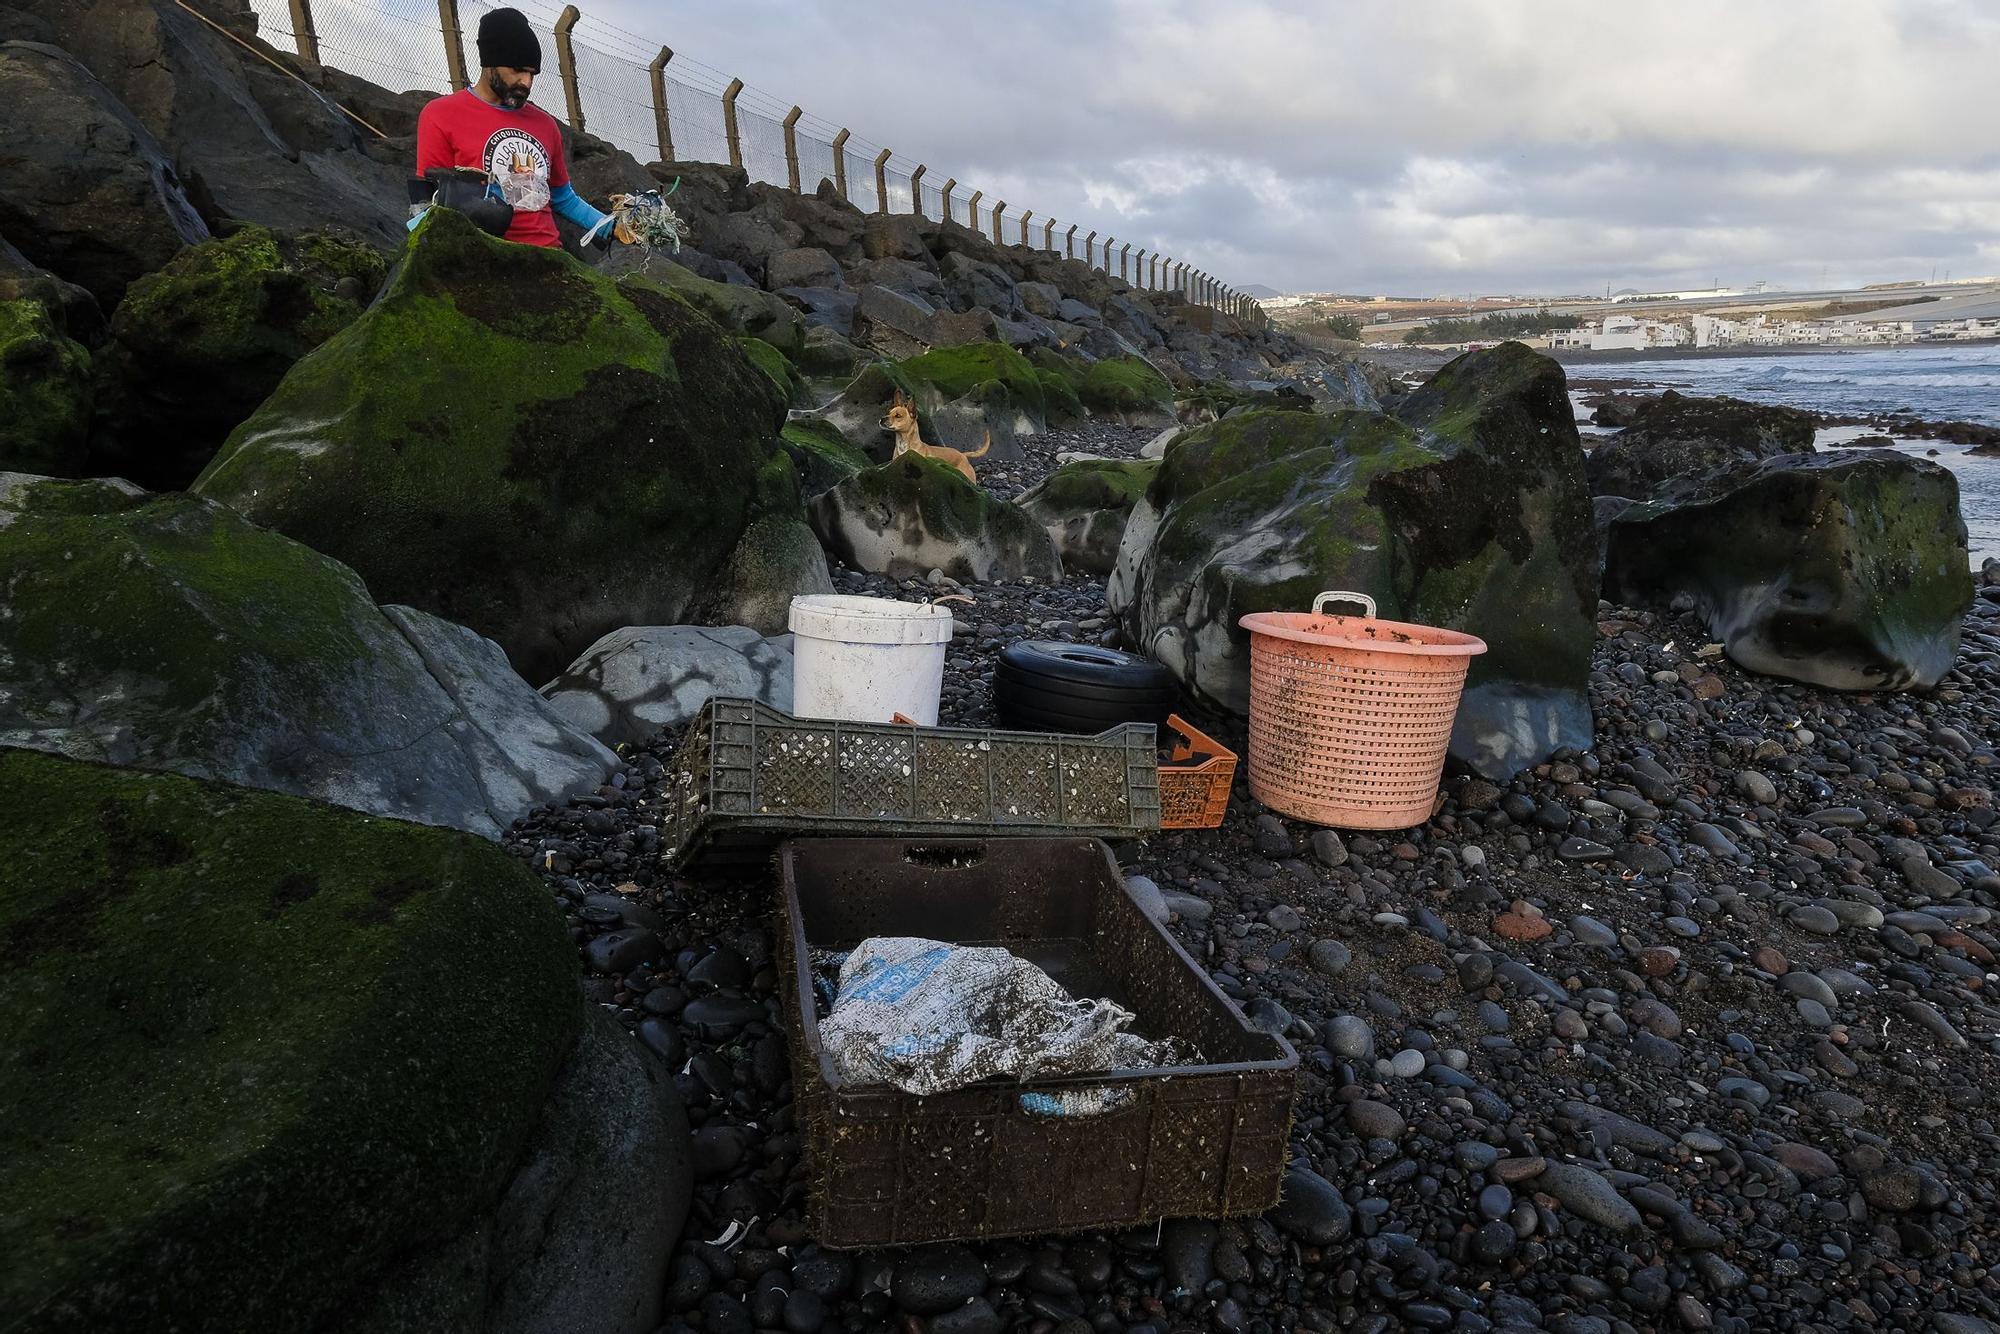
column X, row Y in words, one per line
column 1629, row 333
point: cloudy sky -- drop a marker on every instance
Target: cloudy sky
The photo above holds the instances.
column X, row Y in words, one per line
column 1452, row 146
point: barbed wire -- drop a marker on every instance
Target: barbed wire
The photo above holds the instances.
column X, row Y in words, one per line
column 399, row 45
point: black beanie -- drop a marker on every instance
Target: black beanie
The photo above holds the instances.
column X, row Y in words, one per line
column 505, row 38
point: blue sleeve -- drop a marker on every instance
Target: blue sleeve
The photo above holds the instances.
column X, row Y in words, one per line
column 573, row 207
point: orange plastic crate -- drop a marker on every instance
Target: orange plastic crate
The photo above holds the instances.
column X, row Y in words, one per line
column 1194, row 791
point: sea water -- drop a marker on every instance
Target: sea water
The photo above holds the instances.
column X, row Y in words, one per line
column 1939, row 382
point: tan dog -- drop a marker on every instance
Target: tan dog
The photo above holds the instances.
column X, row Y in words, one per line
column 902, row 419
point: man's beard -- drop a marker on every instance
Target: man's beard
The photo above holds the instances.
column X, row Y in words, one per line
column 513, row 96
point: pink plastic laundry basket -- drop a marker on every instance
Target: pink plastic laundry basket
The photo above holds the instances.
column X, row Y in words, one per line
column 1350, row 716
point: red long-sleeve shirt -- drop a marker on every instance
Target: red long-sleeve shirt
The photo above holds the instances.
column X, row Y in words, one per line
column 517, row 148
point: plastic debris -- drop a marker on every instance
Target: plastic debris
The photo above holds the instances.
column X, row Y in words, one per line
column 928, row 1017
column 646, row 220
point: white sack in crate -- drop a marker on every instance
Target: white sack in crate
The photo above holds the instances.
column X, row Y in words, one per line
column 928, row 1018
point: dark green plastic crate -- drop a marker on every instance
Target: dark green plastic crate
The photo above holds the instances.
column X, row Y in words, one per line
column 748, row 776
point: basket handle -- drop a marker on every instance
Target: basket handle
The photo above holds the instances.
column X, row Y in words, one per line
column 1368, row 603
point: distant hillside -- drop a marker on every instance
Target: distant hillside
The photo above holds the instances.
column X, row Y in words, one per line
column 1260, row 291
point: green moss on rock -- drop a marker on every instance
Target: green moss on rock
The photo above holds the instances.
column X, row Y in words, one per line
column 915, row 514
column 749, row 311
column 1084, row 506
column 954, row 372
column 166, row 594
column 821, row 454
column 1059, row 395
column 45, row 394
column 242, row 1067
column 1126, row 387
column 1847, row 570
column 197, row 345
column 784, row 377
column 511, row 441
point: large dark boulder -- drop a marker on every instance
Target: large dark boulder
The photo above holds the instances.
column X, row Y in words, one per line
column 1677, row 436
column 1845, row 570
column 74, row 310
column 198, row 345
column 45, row 393
column 251, row 142
column 512, row 441
column 915, row 514
column 172, row 634
column 86, row 191
column 1468, row 510
column 247, row 1058
column 1084, row 505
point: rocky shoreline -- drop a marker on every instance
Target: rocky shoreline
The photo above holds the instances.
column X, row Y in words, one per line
column 1689, row 1031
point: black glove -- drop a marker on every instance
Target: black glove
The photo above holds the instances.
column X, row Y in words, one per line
column 466, row 191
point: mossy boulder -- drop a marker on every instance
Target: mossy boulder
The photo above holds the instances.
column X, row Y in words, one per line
column 1468, row 510
column 513, row 442
column 1675, row 436
column 45, row 393
column 777, row 558
column 170, row 633
column 915, row 514
column 1084, row 505
column 1846, row 570
column 1128, row 390
column 197, row 345
column 822, row 455
column 1064, row 404
column 740, row 309
column 242, row 1067
column 790, row 384
column 966, row 397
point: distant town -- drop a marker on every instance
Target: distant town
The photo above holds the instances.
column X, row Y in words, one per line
column 1718, row 317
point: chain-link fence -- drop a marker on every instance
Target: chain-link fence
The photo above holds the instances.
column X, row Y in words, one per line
column 657, row 104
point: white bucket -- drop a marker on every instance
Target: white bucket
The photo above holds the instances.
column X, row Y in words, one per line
column 867, row 659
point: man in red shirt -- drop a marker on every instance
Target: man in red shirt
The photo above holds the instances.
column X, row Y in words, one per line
column 492, row 128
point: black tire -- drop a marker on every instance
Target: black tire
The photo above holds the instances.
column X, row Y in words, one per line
column 1025, row 718
column 1074, row 694
column 1086, row 665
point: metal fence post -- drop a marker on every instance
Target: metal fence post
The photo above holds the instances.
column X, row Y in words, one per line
column 1109, row 241
column 1088, row 252
column 1125, row 263
column 944, row 206
column 972, row 209
column 1070, row 241
column 1139, row 270
column 840, row 163
column 454, row 44
column 566, row 62
column 792, row 148
column 1155, row 283
column 1049, row 236
column 882, row 181
column 663, row 129
column 729, row 127
column 303, row 31
column 998, row 209
column 1024, row 225
column 917, row 189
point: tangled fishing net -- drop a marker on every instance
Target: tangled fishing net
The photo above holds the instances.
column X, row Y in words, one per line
column 646, row 220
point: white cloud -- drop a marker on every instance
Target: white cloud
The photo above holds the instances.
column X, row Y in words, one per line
column 1466, row 144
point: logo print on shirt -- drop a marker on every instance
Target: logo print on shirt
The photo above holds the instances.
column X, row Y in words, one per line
column 519, row 165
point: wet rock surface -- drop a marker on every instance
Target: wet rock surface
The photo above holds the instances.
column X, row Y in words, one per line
column 1726, row 1065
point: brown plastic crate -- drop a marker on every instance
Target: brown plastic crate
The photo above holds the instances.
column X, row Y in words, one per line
column 748, row 776
column 1194, row 796
column 894, row 1169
